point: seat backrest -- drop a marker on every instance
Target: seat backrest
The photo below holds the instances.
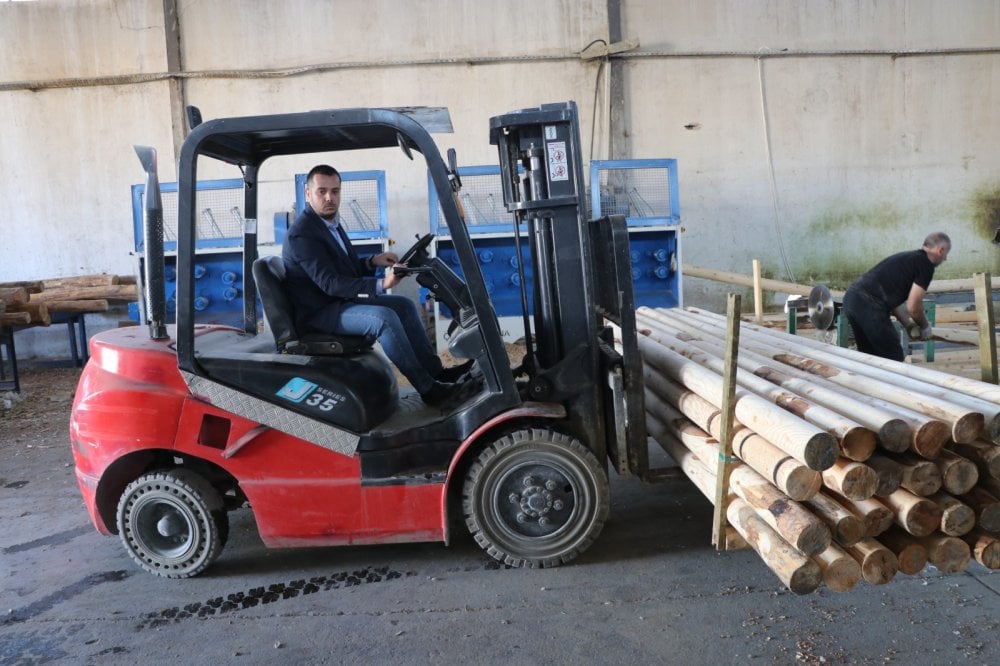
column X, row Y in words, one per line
column 269, row 274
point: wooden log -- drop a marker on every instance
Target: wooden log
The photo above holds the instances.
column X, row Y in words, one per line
column 949, row 554
column 799, row 573
column 957, row 518
column 892, row 431
column 828, row 361
column 986, row 456
column 985, row 548
column 127, row 279
column 917, row 515
column 747, row 281
column 986, row 507
column 876, row 516
column 878, row 564
column 119, row 292
column 792, row 477
column 38, row 312
column 78, row 306
column 846, row 528
column 701, row 476
column 805, row 442
column 851, row 479
column 32, row 286
column 841, row 572
column 958, row 475
column 791, row 520
column 888, row 471
column 856, row 442
column 910, row 554
column 15, row 319
column 973, row 387
column 920, row 477
column 98, row 280
column 11, row 295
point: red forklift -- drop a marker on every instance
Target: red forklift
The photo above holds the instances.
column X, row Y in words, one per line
column 175, row 426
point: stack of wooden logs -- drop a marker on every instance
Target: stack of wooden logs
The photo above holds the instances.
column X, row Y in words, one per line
column 32, row 303
column 848, row 466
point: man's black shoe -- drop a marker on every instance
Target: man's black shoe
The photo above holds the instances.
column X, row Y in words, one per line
column 456, row 372
column 447, row 395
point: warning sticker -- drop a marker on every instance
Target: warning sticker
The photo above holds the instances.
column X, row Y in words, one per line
column 558, row 168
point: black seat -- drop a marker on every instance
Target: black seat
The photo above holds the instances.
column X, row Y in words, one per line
column 269, row 274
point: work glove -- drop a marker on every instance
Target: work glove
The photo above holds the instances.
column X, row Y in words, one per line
column 913, row 331
column 926, row 332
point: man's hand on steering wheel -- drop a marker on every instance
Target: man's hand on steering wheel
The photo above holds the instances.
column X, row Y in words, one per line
column 384, row 260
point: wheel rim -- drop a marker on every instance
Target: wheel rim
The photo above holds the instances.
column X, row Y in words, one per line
column 164, row 528
column 536, row 506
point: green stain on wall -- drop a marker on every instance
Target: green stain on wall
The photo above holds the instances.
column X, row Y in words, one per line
column 846, row 242
column 986, row 210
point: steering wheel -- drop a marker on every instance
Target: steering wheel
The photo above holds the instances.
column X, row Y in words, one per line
column 419, row 247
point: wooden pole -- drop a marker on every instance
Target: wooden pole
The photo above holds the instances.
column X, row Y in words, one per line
column 920, row 477
column 986, row 456
column 878, row 564
column 758, row 292
column 799, row 573
column 747, row 281
column 851, row 479
column 917, row 515
column 792, row 477
column 958, row 475
column 791, row 520
column 957, row 518
column 841, row 572
column 805, row 442
column 845, row 527
column 987, row 324
column 985, row 548
column 911, row 555
column 856, row 442
column 876, row 516
column 986, row 507
column 888, row 471
column 948, row 554
column 726, row 461
column 893, row 431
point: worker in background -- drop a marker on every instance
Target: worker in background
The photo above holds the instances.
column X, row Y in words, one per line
column 896, row 285
column 335, row 291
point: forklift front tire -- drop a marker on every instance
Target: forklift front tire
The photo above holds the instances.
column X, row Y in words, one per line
column 172, row 523
column 535, row 498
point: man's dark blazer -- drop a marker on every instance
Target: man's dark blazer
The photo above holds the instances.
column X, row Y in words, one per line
column 318, row 273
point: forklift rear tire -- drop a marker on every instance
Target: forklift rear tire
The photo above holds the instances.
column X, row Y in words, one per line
column 535, row 498
column 172, row 523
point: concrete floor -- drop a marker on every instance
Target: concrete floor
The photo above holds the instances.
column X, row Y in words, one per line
column 651, row 590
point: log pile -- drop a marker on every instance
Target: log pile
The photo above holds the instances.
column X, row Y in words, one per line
column 32, row 303
column 849, row 467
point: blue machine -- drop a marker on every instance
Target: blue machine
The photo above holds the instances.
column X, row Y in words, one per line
column 645, row 191
column 218, row 269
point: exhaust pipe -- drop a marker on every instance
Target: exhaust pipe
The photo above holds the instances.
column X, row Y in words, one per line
column 152, row 218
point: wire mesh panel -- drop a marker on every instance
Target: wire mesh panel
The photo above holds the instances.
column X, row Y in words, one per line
column 644, row 191
column 481, row 197
column 220, row 216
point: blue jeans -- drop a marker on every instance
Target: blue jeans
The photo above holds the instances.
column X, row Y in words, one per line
column 395, row 322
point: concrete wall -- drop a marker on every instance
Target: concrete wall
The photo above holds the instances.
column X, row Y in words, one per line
column 801, row 140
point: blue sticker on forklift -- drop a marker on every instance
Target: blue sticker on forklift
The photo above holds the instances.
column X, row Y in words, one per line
column 296, row 389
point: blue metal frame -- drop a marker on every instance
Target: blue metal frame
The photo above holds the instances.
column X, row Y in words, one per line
column 669, row 164
column 345, row 176
column 171, row 245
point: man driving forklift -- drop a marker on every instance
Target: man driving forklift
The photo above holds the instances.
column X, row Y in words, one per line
column 335, row 291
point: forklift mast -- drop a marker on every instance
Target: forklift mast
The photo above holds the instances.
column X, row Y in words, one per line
column 547, row 198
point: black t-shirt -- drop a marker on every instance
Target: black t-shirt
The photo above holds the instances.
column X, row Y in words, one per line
column 889, row 282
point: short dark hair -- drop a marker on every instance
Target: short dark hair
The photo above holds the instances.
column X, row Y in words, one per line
column 323, row 170
column 937, row 239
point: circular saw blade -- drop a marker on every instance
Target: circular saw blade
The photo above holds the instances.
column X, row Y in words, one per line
column 821, row 308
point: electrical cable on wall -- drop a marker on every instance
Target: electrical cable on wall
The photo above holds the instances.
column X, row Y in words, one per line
column 770, row 170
